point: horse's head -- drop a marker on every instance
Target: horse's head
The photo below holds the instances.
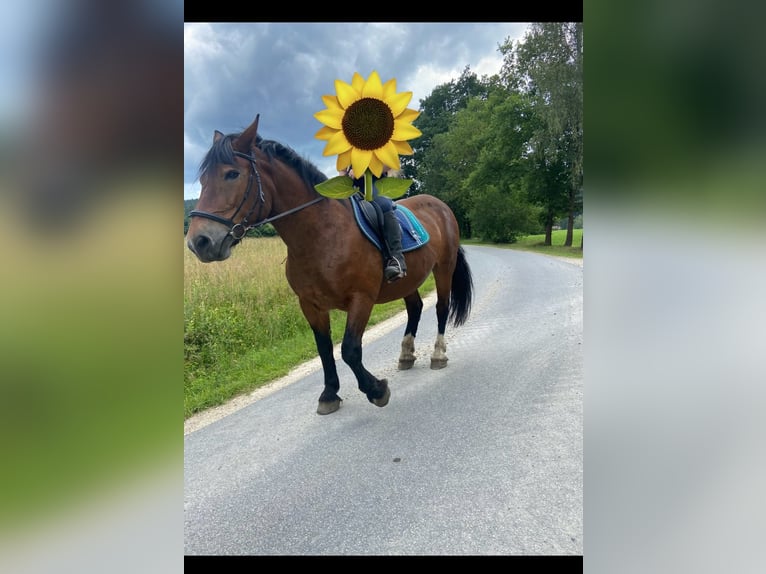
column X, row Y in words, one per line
column 231, row 197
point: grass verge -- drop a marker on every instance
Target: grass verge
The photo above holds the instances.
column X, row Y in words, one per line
column 536, row 243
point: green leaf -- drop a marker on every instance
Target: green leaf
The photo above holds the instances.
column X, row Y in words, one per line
column 339, row 187
column 393, row 187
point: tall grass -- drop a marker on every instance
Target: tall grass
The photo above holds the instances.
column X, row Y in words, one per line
column 243, row 326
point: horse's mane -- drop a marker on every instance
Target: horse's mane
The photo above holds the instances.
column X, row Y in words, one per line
column 222, row 152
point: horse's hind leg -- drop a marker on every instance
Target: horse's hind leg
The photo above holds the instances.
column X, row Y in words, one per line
column 351, row 350
column 439, row 356
column 414, row 309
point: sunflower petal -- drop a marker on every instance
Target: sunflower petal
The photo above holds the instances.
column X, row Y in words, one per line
column 325, row 133
column 331, row 118
column 389, row 88
column 343, row 161
column 357, row 82
column 398, row 102
column 337, row 144
column 373, row 88
column 403, row 148
column 404, row 131
column 376, row 166
column 408, row 115
column 387, row 154
column 331, row 101
column 360, row 160
column 347, row 94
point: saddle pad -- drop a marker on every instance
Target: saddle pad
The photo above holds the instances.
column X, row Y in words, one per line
column 414, row 235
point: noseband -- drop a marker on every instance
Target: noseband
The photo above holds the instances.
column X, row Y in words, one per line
column 239, row 230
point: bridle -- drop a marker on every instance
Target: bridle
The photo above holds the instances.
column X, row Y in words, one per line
column 239, row 230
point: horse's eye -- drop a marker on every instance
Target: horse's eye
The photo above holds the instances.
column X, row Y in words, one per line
column 231, row 174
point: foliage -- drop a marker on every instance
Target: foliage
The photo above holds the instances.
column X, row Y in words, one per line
column 188, row 208
column 436, row 113
column 508, row 144
column 547, row 65
column 546, row 184
column 449, row 162
column 503, row 217
column 562, row 223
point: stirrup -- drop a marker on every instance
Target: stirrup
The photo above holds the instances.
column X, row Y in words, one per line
column 393, row 270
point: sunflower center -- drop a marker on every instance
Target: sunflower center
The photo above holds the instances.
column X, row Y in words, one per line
column 368, row 124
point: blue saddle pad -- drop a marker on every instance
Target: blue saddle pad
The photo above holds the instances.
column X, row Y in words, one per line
column 414, row 235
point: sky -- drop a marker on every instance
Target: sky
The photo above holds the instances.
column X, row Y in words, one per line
column 235, row 71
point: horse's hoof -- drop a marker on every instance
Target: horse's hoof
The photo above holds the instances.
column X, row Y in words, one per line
column 406, row 364
column 327, row 407
column 382, row 401
column 438, row 363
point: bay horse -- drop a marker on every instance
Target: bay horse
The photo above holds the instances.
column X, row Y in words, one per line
column 247, row 181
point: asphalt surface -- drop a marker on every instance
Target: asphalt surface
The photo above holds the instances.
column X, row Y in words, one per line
column 484, row 457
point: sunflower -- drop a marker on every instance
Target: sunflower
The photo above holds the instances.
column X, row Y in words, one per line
column 367, row 124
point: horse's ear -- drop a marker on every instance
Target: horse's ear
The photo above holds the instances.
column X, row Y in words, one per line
column 247, row 138
column 217, row 136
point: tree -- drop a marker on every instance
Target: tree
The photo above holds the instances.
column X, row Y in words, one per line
column 502, row 210
column 478, row 166
column 503, row 216
column 544, row 182
column 451, row 158
column 437, row 111
column 547, row 64
column 508, row 124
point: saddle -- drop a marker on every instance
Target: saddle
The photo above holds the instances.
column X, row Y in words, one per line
column 369, row 218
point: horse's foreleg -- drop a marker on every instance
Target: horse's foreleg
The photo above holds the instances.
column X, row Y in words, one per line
column 414, row 309
column 329, row 401
column 439, row 356
column 351, row 350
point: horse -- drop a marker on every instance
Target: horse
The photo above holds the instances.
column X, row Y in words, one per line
column 247, row 181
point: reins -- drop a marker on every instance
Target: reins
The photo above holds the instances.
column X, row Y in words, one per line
column 239, row 230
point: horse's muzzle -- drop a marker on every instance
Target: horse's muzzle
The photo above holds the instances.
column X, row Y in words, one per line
column 207, row 249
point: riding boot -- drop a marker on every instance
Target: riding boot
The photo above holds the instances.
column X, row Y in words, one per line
column 396, row 267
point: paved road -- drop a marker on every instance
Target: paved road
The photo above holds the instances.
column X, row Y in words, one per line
column 484, row 457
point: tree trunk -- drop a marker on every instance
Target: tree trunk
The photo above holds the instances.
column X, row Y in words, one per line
column 548, row 229
column 570, row 222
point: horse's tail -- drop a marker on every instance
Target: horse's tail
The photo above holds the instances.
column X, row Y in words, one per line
column 461, row 292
